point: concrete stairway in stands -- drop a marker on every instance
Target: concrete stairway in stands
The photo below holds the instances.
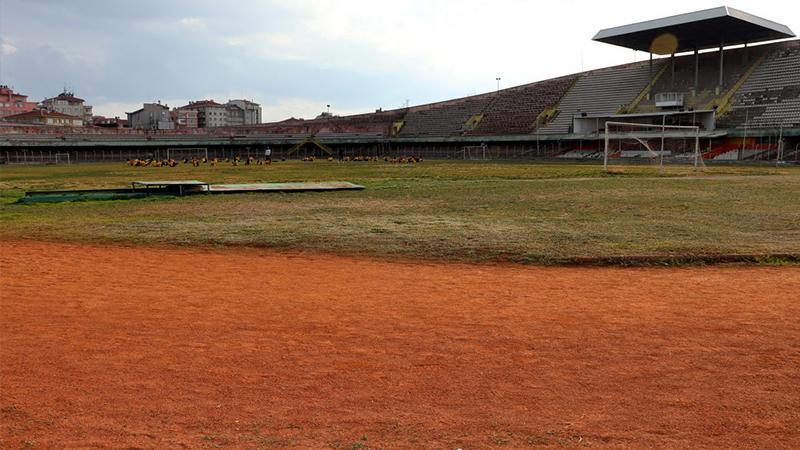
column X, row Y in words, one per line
column 602, row 91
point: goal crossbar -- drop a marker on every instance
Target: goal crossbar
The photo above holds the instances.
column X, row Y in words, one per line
column 659, row 130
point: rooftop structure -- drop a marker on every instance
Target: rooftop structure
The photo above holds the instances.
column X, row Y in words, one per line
column 710, row 28
column 44, row 117
column 201, row 104
column 67, row 97
column 67, row 103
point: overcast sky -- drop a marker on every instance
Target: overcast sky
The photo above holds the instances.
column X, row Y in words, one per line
column 295, row 56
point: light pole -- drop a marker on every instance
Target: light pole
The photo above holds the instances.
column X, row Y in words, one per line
column 329, row 109
column 498, row 83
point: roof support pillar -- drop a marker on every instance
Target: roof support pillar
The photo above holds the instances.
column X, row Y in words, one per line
column 746, row 55
column 696, row 72
column 651, row 74
column 672, row 69
column 721, row 67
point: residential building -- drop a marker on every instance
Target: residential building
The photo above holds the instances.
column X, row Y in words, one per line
column 67, row 103
column 152, row 116
column 13, row 102
column 184, row 118
column 252, row 111
column 235, row 115
column 210, row 114
column 44, row 117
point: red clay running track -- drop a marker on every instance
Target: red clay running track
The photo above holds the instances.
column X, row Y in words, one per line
column 127, row 347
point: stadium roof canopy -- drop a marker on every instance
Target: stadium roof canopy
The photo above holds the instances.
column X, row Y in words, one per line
column 698, row 30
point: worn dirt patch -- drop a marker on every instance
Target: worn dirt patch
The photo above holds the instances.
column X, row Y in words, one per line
column 104, row 346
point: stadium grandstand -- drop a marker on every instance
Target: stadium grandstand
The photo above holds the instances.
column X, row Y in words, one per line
column 734, row 75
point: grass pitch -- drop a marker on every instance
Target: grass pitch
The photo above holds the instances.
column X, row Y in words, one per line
column 469, row 211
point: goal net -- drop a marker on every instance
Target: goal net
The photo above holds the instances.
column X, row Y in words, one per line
column 62, row 158
column 474, row 152
column 655, row 144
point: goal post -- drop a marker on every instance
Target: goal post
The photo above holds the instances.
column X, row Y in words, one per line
column 60, row 158
column 656, row 143
column 474, row 152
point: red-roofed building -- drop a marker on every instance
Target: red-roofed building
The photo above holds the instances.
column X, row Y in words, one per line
column 44, row 117
column 13, row 102
column 67, row 103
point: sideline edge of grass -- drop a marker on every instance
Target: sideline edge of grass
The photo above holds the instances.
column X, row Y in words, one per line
column 449, row 193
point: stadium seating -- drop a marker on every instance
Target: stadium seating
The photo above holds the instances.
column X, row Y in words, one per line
column 770, row 98
column 708, row 73
column 443, row 119
column 737, row 62
column 599, row 92
column 761, row 89
column 515, row 110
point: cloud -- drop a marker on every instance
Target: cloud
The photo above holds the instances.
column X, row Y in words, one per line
column 275, row 45
column 295, row 57
column 301, row 108
column 7, row 49
column 466, row 46
column 114, row 109
column 192, row 23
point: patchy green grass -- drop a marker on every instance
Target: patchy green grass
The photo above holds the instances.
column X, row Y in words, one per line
column 524, row 212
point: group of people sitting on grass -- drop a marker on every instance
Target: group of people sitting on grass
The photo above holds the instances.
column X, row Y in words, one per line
column 248, row 161
column 395, row 160
column 197, row 162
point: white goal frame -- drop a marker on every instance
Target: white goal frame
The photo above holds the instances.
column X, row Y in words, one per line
column 480, row 152
column 661, row 132
column 58, row 157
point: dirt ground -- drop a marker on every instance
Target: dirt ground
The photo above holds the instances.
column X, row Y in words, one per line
column 132, row 347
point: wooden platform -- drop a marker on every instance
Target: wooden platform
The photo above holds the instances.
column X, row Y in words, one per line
column 285, row 187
